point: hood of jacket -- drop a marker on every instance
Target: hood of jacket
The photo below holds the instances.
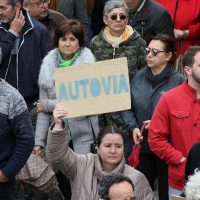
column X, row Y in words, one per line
column 50, row 62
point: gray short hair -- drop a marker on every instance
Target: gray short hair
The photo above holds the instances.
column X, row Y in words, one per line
column 192, row 188
column 112, row 4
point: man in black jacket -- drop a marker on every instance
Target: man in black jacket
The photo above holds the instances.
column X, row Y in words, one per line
column 24, row 42
column 149, row 18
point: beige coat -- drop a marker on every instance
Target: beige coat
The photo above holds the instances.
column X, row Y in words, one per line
column 85, row 171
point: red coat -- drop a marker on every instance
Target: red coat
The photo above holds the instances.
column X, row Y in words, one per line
column 176, row 118
column 187, row 18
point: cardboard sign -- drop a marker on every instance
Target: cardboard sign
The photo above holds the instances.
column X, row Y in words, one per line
column 88, row 89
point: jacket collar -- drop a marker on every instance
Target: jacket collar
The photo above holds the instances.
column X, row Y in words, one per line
column 142, row 14
column 100, row 174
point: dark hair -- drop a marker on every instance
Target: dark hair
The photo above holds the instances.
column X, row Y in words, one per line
column 70, row 26
column 188, row 57
column 110, row 180
column 169, row 45
column 14, row 2
column 109, row 129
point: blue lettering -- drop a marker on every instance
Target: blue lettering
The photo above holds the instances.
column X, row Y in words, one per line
column 62, row 93
column 106, row 84
column 75, row 95
column 114, row 84
column 84, row 84
column 123, row 85
column 95, row 87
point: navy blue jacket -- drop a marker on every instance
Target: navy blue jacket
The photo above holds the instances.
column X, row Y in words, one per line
column 34, row 44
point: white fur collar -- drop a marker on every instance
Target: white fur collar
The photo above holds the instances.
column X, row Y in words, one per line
column 50, row 62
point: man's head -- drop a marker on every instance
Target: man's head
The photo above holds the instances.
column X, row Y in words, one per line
column 192, row 187
column 37, row 8
column 191, row 64
column 8, row 9
column 116, row 187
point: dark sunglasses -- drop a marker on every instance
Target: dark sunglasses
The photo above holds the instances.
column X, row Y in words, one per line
column 154, row 52
column 114, row 17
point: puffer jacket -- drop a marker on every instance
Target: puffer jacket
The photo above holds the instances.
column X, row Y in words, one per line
column 85, row 171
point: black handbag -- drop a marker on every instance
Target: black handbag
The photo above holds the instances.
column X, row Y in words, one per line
column 93, row 144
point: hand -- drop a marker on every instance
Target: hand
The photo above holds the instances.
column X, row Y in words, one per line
column 147, row 123
column 40, row 105
column 3, row 178
column 180, row 34
column 18, row 22
column 59, row 113
column 182, row 159
column 37, row 150
column 137, row 136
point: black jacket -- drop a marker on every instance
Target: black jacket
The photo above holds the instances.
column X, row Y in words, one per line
column 151, row 19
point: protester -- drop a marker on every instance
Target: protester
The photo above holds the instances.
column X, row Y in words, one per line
column 16, row 138
column 26, row 42
column 175, row 125
column 40, row 10
column 149, row 18
column 147, row 87
column 86, row 171
column 116, row 186
column 117, row 40
column 186, row 24
column 69, row 50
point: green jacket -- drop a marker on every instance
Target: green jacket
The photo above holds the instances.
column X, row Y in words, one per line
column 133, row 49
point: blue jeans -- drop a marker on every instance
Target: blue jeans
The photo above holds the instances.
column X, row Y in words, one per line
column 173, row 191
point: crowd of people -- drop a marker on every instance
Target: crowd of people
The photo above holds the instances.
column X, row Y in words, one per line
column 39, row 36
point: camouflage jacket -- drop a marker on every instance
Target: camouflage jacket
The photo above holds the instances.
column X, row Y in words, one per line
column 133, row 49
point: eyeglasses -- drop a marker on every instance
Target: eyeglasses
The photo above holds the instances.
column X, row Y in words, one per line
column 40, row 3
column 114, row 17
column 154, row 52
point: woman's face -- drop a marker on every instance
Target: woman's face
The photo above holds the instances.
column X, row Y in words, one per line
column 111, row 150
column 116, row 20
column 158, row 59
column 68, row 45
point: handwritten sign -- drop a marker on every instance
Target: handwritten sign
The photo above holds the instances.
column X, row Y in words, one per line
column 88, row 89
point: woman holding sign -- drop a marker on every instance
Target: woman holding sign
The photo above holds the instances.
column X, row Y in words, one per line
column 117, row 40
column 70, row 50
column 147, row 87
column 86, row 171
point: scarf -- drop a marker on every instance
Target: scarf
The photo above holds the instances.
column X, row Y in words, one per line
column 155, row 80
column 115, row 41
column 66, row 63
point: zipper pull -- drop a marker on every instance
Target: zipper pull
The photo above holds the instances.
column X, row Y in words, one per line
column 113, row 52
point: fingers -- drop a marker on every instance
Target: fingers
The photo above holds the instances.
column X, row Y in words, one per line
column 137, row 136
column 146, row 123
column 60, row 111
column 18, row 22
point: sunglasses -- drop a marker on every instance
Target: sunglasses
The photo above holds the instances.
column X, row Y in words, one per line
column 114, row 17
column 154, row 52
